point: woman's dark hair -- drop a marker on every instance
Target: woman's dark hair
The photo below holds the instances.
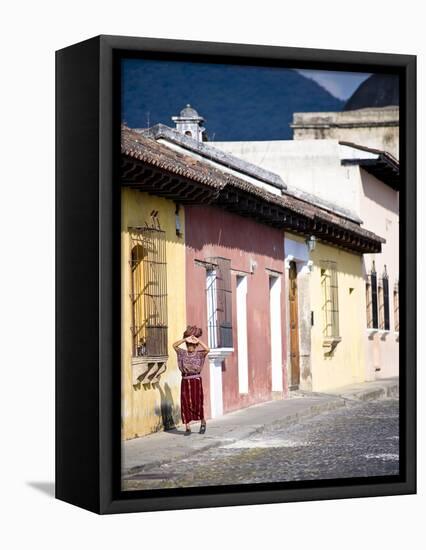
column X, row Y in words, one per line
column 192, row 330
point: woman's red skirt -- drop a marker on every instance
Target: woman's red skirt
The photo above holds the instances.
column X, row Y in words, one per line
column 191, row 399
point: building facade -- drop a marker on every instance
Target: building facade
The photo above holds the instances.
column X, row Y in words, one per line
column 325, row 311
column 360, row 184
column 153, row 310
column 211, row 239
column 238, row 264
column 380, row 208
column 184, row 261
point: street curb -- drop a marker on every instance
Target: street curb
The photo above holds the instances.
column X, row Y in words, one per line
column 313, row 410
column 383, row 392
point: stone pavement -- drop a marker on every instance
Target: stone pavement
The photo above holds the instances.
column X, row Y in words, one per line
column 171, row 445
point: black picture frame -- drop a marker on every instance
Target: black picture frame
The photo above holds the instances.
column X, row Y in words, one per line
column 88, row 278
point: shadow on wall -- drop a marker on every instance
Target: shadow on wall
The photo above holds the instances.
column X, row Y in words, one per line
column 169, row 412
column 380, row 193
column 211, row 226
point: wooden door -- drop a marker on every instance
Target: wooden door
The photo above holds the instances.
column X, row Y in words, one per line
column 294, row 327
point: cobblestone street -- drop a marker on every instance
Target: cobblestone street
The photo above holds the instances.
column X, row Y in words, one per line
column 360, row 439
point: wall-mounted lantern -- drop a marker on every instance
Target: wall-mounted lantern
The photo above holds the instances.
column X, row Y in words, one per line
column 253, row 265
column 311, row 243
column 177, row 221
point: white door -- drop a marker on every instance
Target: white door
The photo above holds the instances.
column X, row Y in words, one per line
column 216, row 398
column 242, row 334
column 276, row 341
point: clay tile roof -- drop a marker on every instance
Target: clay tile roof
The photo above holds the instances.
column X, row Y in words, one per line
column 147, row 150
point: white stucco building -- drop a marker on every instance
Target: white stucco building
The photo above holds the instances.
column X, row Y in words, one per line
column 360, row 183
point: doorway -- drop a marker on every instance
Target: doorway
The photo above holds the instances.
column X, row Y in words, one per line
column 276, row 341
column 242, row 334
column 294, row 328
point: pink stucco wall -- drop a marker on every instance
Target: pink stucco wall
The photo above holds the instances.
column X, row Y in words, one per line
column 380, row 213
column 211, row 232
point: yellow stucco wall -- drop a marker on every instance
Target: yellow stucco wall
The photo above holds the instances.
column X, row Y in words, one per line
column 144, row 405
column 346, row 365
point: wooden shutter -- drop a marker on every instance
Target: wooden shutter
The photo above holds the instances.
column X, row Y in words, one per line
column 374, row 304
column 368, row 303
column 386, row 324
column 396, row 306
column 224, row 302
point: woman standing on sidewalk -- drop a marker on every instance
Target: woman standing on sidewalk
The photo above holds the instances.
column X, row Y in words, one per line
column 190, row 363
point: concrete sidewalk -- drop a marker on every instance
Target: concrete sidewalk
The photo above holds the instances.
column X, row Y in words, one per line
column 172, row 445
column 378, row 389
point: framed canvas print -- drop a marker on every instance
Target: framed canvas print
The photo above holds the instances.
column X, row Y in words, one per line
column 236, row 287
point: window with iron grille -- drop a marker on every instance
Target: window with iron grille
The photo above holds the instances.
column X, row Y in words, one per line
column 383, row 302
column 386, row 318
column 219, row 303
column 149, row 291
column 396, row 306
column 371, row 298
column 330, row 305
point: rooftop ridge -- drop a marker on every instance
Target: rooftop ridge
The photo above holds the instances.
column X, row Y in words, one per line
column 212, row 153
column 321, row 203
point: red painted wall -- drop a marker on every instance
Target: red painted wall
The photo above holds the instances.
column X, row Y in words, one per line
column 213, row 232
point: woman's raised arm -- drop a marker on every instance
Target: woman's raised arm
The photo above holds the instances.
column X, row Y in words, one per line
column 206, row 349
column 178, row 343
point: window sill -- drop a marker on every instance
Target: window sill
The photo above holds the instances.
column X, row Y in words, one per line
column 148, row 370
column 217, row 355
column 397, row 336
column 371, row 332
column 383, row 334
column 331, row 343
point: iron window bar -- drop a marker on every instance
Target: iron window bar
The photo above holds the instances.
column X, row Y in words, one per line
column 386, row 313
column 148, row 296
column 396, row 306
column 219, row 302
column 330, row 307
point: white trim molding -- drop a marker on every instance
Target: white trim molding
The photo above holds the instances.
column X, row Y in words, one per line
column 216, row 357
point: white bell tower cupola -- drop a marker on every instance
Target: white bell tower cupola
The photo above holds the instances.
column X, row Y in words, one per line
column 189, row 123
